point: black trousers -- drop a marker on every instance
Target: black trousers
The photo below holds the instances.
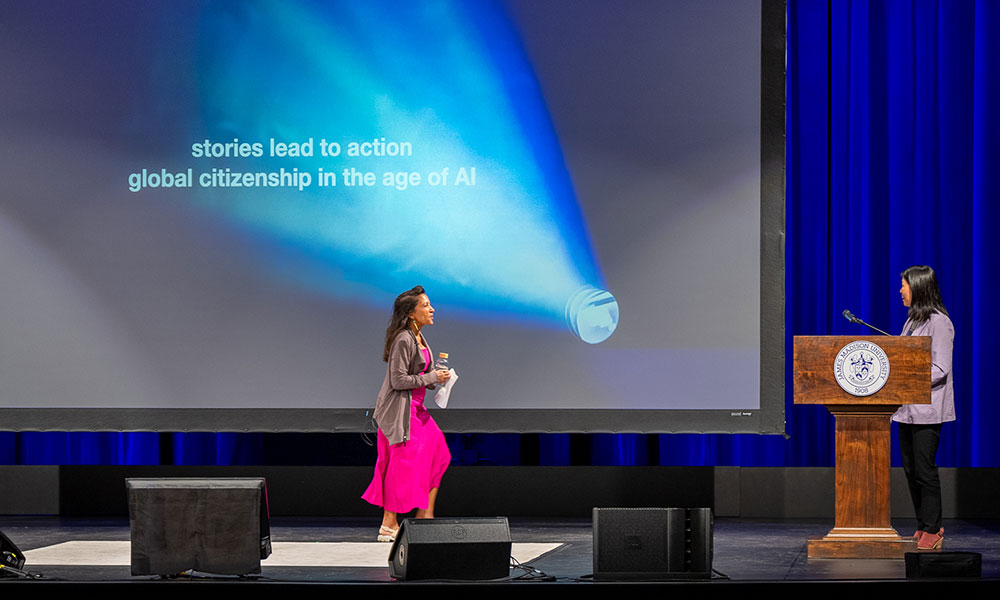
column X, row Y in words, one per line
column 918, row 445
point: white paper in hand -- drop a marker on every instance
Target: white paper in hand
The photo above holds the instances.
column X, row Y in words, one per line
column 441, row 396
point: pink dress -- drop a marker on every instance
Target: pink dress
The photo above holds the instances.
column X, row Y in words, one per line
column 407, row 472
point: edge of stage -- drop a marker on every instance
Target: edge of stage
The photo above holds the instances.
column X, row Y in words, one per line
column 753, row 554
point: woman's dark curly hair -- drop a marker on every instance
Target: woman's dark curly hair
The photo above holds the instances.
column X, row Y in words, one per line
column 401, row 309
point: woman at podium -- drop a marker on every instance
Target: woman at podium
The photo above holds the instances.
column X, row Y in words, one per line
column 920, row 424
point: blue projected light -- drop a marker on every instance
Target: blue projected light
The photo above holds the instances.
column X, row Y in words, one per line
column 468, row 193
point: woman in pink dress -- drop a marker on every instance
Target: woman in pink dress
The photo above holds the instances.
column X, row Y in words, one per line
column 412, row 454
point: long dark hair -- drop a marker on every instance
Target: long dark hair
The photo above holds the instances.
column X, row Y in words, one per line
column 925, row 297
column 404, row 305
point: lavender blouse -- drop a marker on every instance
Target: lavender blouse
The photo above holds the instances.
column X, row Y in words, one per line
column 942, row 406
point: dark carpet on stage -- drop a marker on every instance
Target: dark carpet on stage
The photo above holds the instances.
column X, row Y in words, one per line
column 745, row 550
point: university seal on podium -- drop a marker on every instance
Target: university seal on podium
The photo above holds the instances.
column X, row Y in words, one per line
column 861, row 368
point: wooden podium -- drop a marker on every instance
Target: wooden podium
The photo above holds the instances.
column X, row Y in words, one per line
column 861, row 527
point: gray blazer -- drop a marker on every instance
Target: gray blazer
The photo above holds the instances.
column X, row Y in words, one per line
column 392, row 409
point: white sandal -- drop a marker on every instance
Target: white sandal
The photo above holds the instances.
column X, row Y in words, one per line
column 387, row 534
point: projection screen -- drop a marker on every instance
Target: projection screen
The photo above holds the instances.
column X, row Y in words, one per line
column 208, row 208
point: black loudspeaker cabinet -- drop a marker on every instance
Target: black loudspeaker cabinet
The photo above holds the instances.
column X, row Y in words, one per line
column 920, row 565
column 212, row 525
column 11, row 557
column 652, row 543
column 465, row 549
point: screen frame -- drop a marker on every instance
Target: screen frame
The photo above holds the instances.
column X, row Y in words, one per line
column 769, row 418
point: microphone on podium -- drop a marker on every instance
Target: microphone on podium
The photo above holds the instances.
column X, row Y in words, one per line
column 850, row 317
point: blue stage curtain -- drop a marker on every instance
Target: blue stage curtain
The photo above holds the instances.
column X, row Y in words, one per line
column 893, row 159
column 893, row 131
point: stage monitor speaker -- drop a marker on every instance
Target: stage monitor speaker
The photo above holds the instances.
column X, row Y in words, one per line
column 466, row 549
column 211, row 525
column 11, row 557
column 652, row 543
column 922, row 565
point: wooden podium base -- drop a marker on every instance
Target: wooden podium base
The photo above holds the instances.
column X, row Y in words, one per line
column 860, row 542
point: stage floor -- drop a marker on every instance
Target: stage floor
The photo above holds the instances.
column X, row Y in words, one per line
column 745, row 550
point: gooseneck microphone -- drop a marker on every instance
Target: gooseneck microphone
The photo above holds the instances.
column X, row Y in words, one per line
column 850, row 317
